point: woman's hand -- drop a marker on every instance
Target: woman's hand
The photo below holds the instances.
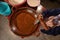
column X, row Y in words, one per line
column 50, row 21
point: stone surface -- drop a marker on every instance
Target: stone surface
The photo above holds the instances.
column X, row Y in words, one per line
column 7, row 34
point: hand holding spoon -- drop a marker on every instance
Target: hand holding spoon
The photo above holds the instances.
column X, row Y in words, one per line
column 40, row 17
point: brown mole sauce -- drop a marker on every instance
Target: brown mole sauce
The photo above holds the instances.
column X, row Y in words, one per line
column 24, row 23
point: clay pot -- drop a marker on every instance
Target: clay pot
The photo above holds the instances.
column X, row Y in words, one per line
column 15, row 2
column 33, row 3
column 22, row 30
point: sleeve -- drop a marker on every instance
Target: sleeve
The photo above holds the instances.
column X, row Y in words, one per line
column 51, row 12
column 52, row 31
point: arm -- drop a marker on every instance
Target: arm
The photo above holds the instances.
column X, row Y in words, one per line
column 55, row 30
column 51, row 12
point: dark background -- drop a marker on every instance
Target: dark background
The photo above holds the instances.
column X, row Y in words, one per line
column 49, row 4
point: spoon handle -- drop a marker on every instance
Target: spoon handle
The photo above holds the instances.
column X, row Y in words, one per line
column 43, row 24
column 40, row 17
